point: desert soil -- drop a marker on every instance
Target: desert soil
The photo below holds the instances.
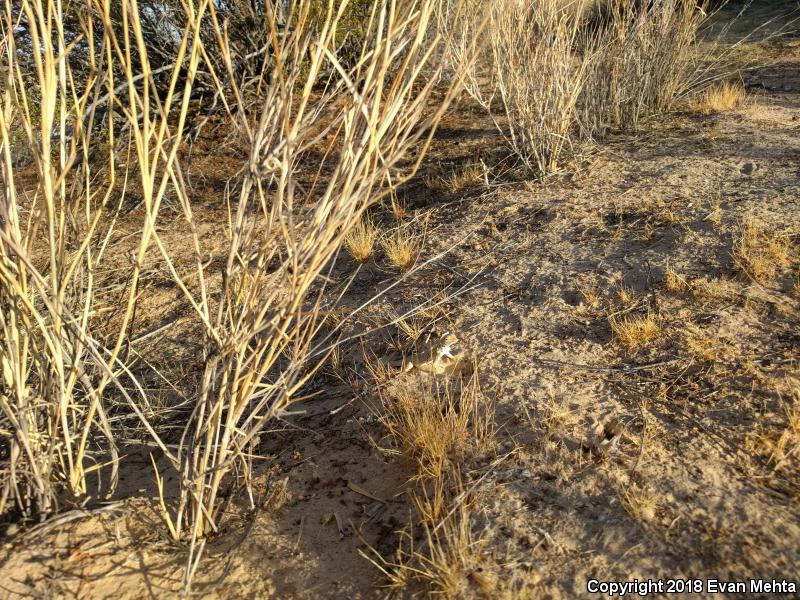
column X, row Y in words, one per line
column 646, row 224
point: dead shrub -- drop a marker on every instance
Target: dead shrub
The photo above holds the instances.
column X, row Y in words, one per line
column 566, row 72
column 645, row 56
column 538, row 73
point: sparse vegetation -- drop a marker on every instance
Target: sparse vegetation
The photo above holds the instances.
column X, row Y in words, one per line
column 401, row 246
column 720, row 97
column 646, row 56
column 636, row 331
column 437, row 425
column 591, row 296
column 360, row 242
column 702, row 346
column 759, row 252
column 272, row 288
column 625, row 295
column 444, row 557
column 528, row 40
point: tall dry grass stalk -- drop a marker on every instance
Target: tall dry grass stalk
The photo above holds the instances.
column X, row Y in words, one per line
column 57, row 367
column 555, row 73
column 463, row 29
column 57, row 219
column 260, row 313
column 261, row 334
column 645, row 56
column 539, row 75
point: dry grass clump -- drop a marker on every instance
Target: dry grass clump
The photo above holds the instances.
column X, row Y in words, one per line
column 713, row 288
column 452, row 555
column 640, row 502
column 720, row 97
column 450, row 549
column 778, row 441
column 700, row 345
column 787, row 447
column 759, row 251
column 437, row 425
column 674, row 282
column 57, row 222
column 457, row 180
column 704, row 346
column 412, row 326
column 397, row 207
column 360, row 242
column 401, row 246
column 567, row 72
column 625, row 295
column 530, row 61
column 636, row 331
column 590, row 295
column 444, row 557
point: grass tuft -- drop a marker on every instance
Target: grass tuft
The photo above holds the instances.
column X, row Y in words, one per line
column 360, row 242
column 639, row 502
column 637, row 331
column 787, row 447
column 401, row 247
column 760, row 252
column 720, row 97
column 458, row 180
column 438, row 427
column 674, row 282
column 438, row 424
column 445, row 556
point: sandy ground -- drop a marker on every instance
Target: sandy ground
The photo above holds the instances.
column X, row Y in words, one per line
column 692, row 487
